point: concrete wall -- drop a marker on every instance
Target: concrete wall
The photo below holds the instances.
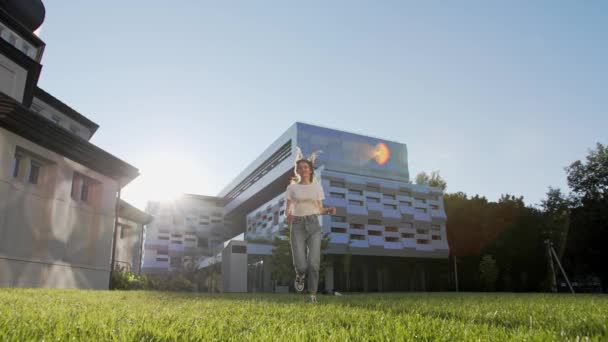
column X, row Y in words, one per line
column 48, row 238
column 234, row 267
column 128, row 244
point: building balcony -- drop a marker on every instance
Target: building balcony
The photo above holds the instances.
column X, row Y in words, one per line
column 423, row 217
column 393, row 245
column 359, row 243
column 376, row 240
column 392, row 234
column 375, row 206
column 426, row 248
column 438, row 214
column 391, row 213
column 375, row 227
column 409, row 243
column 405, row 210
column 335, row 202
column 339, row 238
column 402, row 198
column 359, row 210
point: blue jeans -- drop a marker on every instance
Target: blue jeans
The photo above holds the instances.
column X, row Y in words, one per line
column 305, row 237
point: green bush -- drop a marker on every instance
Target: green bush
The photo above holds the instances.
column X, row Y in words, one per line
column 123, row 279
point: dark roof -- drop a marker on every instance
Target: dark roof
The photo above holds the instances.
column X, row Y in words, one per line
column 29, row 13
column 65, row 109
column 129, row 212
column 23, row 122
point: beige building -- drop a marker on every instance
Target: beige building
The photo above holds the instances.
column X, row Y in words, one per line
column 129, row 237
column 58, row 192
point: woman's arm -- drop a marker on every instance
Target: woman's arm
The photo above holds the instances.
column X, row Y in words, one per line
column 288, row 213
column 323, row 210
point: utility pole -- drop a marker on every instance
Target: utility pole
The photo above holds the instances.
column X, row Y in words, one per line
column 552, row 274
column 553, row 255
column 456, row 272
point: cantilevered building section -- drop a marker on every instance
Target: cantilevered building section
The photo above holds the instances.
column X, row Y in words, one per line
column 393, row 230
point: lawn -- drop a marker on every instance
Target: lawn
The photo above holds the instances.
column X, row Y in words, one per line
column 43, row 314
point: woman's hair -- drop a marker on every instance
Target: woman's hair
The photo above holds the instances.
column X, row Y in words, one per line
column 297, row 177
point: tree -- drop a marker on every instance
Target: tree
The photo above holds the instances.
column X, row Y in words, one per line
column 488, row 272
column 282, row 260
column 557, row 212
column 434, row 180
column 589, row 181
column 585, row 252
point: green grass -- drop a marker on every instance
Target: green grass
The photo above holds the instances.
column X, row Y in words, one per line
column 41, row 314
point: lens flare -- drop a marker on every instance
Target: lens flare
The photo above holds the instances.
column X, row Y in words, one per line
column 381, row 153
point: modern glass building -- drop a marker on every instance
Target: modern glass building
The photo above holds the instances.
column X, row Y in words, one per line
column 388, row 234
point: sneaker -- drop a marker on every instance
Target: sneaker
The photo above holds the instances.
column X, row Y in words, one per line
column 313, row 299
column 299, row 282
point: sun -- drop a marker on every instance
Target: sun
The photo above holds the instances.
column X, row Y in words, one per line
column 164, row 177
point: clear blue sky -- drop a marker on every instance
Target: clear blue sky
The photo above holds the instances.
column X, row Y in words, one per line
column 498, row 97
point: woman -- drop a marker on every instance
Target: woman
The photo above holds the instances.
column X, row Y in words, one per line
column 304, row 203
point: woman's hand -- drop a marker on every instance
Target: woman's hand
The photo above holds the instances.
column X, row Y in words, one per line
column 330, row 211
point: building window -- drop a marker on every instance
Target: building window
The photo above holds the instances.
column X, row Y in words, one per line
column 17, row 161
column 356, row 226
column 434, row 207
column 390, row 206
column 162, row 259
column 405, row 204
column 375, row 222
column 372, row 188
column 423, row 242
column 336, row 195
column 82, row 187
column 407, row 225
column 355, row 202
column 124, row 230
column 203, row 242
column 338, row 230
column 374, row 233
column 422, row 231
column 357, row 237
column 373, row 199
column 421, row 210
column 420, row 200
column 355, row 192
column 391, row 239
column 34, row 172
column 336, row 184
column 404, row 192
column 391, row 229
column 436, row 237
column 435, row 227
column 84, row 190
column 338, row 218
column 389, row 196
column 407, row 235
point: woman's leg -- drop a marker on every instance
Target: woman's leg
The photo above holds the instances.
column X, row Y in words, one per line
column 298, row 245
column 314, row 254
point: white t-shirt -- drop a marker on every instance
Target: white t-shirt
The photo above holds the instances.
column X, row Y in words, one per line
column 303, row 198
